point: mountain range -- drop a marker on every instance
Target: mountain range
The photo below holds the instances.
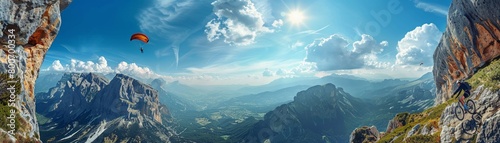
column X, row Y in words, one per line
column 86, row 107
column 327, row 113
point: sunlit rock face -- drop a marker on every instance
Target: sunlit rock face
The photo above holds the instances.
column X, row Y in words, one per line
column 127, row 96
column 31, row 26
column 71, row 97
column 471, row 40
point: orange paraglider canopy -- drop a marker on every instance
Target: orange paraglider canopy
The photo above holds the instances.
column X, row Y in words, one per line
column 139, row 36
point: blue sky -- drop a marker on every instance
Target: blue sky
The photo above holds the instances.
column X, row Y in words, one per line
column 249, row 41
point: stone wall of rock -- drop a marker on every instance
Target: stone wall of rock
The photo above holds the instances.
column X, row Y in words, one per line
column 471, row 40
column 365, row 134
column 28, row 29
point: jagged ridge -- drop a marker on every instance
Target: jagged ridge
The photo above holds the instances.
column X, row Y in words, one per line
column 471, row 40
column 318, row 114
column 36, row 24
column 123, row 109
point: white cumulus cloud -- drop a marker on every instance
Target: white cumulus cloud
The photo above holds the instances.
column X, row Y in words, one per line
column 238, row 22
column 56, row 66
column 418, row 45
column 134, row 70
column 101, row 66
column 333, row 53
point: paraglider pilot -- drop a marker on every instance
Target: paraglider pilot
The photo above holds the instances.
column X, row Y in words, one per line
column 140, row 37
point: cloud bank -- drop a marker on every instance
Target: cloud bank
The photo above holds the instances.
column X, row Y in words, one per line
column 238, row 22
column 101, row 66
column 334, row 53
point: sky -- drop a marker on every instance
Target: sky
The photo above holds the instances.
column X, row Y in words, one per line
column 249, row 42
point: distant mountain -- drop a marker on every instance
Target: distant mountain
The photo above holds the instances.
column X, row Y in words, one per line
column 124, row 109
column 183, row 90
column 176, row 104
column 351, row 84
column 319, row 114
column 205, row 97
column 47, row 80
column 71, row 97
column 265, row 101
column 329, row 114
column 413, row 96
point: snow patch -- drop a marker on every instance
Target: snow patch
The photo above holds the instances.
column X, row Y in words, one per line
column 97, row 133
column 67, row 137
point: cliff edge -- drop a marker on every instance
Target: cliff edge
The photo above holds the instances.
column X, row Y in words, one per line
column 471, row 41
column 28, row 29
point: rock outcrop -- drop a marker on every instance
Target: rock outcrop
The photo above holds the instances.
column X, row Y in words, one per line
column 440, row 123
column 398, row 121
column 484, row 121
column 471, row 40
column 127, row 96
column 365, row 135
column 28, row 29
column 71, row 97
column 490, row 130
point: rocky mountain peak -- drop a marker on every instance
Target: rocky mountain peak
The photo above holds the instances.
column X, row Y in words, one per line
column 83, row 84
column 471, row 40
column 322, row 113
column 127, row 96
column 122, row 108
column 71, row 97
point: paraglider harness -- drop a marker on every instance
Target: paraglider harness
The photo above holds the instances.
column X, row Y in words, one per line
column 142, row 50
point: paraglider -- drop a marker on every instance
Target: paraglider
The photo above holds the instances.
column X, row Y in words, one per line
column 140, row 37
column 421, row 64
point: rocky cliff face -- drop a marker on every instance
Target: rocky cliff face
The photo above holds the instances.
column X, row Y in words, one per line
column 175, row 104
column 89, row 108
column 127, row 96
column 398, row 121
column 71, row 97
column 471, row 40
column 484, row 122
column 365, row 135
column 28, row 29
column 318, row 114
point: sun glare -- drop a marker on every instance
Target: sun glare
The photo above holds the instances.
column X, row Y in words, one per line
column 296, row 17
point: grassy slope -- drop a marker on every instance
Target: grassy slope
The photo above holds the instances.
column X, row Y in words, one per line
column 488, row 76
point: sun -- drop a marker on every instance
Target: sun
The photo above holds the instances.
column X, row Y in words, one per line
column 296, row 17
